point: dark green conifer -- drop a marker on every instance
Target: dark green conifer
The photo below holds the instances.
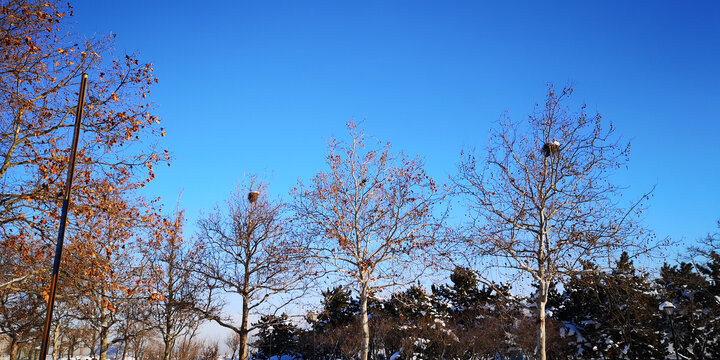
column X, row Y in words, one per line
column 277, row 336
column 614, row 314
column 693, row 289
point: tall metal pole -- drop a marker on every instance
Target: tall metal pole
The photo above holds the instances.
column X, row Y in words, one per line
column 672, row 328
column 63, row 218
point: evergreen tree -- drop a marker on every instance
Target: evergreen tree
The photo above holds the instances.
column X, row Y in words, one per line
column 613, row 315
column 331, row 331
column 711, row 299
column 411, row 304
column 481, row 318
column 422, row 335
column 277, row 336
column 466, row 295
column 632, row 314
column 339, row 308
column 694, row 292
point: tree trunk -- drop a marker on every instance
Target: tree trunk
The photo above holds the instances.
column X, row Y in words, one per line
column 541, row 301
column 13, row 349
column 365, row 347
column 55, row 347
column 168, row 340
column 125, row 347
column 104, row 334
column 166, row 353
column 93, row 341
column 242, row 352
column 543, row 284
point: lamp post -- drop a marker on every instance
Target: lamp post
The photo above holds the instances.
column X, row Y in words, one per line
column 669, row 309
column 271, row 351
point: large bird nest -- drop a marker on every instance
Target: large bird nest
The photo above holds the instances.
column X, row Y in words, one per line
column 551, row 148
column 253, row 196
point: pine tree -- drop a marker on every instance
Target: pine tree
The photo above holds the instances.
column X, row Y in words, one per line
column 277, row 336
column 711, row 299
column 464, row 293
column 693, row 289
column 331, row 330
column 613, row 315
column 480, row 317
column 410, row 304
column 339, row 308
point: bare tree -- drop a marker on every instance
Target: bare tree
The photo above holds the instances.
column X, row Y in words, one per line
column 181, row 292
column 542, row 201
column 19, row 323
column 233, row 343
column 247, row 252
column 209, row 351
column 369, row 217
column 72, row 339
column 188, row 347
column 706, row 246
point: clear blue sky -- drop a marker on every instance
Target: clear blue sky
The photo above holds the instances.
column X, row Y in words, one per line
column 258, row 87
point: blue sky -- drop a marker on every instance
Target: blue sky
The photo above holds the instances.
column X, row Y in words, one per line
column 258, row 87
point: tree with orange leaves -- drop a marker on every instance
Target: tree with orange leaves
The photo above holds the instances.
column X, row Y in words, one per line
column 369, row 217
column 106, row 271
column 41, row 63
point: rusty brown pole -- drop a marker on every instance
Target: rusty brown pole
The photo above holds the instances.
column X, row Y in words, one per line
column 63, row 219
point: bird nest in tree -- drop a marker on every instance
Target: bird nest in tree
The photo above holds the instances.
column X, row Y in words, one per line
column 253, row 196
column 551, row 148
